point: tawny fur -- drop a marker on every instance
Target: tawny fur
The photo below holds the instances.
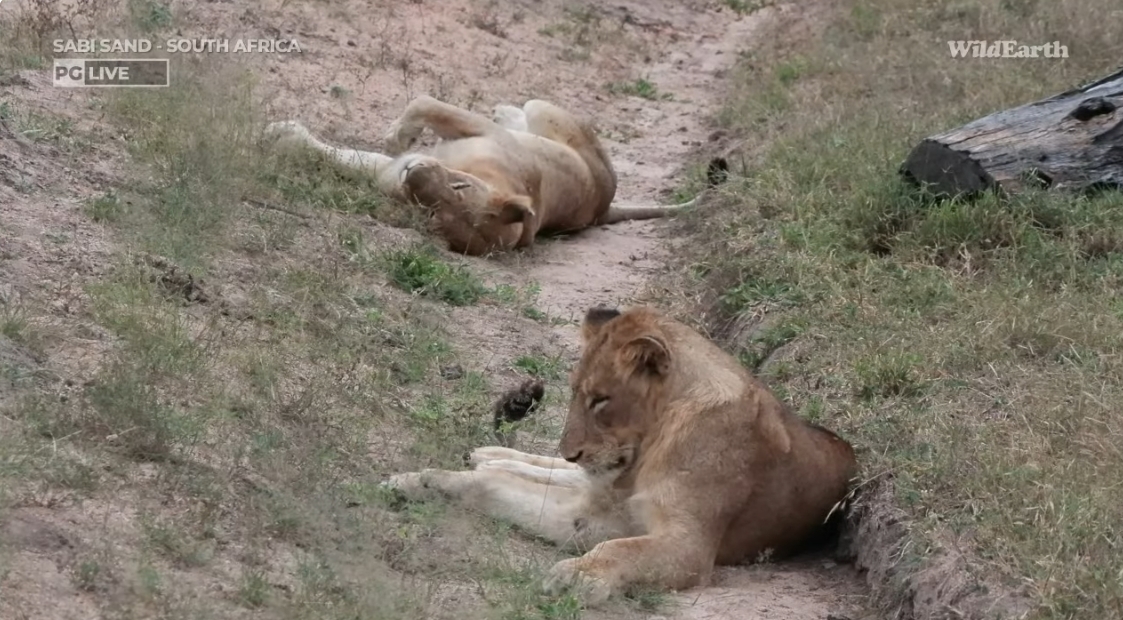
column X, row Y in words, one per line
column 490, row 185
column 675, row 459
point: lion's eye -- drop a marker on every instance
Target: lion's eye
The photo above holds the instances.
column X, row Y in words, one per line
column 459, row 185
column 597, row 403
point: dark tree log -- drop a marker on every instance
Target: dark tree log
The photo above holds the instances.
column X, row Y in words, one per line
column 1071, row 141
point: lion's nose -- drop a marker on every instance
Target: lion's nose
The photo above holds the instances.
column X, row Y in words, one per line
column 575, row 457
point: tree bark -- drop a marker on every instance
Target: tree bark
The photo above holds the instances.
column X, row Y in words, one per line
column 1071, row 141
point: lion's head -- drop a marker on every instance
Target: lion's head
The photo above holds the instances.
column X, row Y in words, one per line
column 624, row 368
column 465, row 210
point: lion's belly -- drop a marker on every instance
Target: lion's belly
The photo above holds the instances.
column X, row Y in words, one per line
column 780, row 525
column 463, row 153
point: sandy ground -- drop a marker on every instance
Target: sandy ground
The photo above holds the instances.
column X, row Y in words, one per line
column 361, row 63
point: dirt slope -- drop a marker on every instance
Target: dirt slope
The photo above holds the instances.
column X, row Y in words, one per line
column 648, row 72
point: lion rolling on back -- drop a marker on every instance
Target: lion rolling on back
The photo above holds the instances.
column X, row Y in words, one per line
column 491, row 185
column 675, row 459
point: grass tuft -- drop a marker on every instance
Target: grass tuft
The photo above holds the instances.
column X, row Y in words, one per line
column 420, row 269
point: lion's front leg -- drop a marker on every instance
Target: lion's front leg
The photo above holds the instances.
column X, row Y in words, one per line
column 293, row 135
column 447, row 121
column 497, row 453
column 661, row 559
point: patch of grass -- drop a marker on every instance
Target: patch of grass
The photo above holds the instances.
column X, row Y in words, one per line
column 88, row 575
column 150, row 15
column 184, row 212
column 487, row 19
column 887, row 375
column 641, row 87
column 175, row 544
column 582, row 28
column 420, row 269
column 550, row 368
column 453, row 424
column 14, row 323
column 27, row 31
column 40, row 127
column 305, row 179
column 973, row 347
column 747, row 6
column 107, row 207
column 254, row 589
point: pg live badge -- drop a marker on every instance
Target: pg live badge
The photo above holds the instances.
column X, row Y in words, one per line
column 115, row 73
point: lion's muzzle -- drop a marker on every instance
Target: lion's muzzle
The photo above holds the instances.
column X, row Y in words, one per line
column 427, row 183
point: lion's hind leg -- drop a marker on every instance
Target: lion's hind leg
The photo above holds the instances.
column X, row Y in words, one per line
column 447, row 121
column 547, row 510
column 510, row 117
column 553, row 123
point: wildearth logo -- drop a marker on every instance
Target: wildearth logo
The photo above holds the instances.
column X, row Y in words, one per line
column 1006, row 49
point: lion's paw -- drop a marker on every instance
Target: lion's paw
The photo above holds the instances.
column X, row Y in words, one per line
column 509, row 117
column 486, row 454
column 285, row 129
column 408, row 483
column 399, row 138
column 565, row 574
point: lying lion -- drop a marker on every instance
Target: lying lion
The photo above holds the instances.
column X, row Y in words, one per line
column 675, row 458
column 492, row 184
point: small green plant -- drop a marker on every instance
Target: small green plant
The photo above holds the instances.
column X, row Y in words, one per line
column 533, row 313
column 747, row 6
column 789, row 72
column 419, row 269
column 641, row 87
column 254, row 589
column 87, row 575
column 174, row 544
column 888, row 375
column 753, row 290
column 150, row 15
column 106, row 208
column 13, row 323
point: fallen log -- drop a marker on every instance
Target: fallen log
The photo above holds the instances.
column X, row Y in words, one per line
column 1070, row 141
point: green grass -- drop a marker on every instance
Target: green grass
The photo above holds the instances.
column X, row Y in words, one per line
column 420, row 269
column 551, row 368
column 150, row 15
column 970, row 349
column 746, row 6
column 641, row 87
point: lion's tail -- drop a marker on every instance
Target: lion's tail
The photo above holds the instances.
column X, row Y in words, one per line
column 716, row 173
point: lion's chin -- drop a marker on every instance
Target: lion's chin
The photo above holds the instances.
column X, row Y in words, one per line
column 612, row 465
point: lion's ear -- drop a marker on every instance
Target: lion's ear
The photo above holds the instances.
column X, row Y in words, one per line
column 648, row 355
column 770, row 425
column 515, row 209
column 595, row 319
column 773, row 428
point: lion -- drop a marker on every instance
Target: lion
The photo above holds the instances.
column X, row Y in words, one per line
column 491, row 185
column 674, row 459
